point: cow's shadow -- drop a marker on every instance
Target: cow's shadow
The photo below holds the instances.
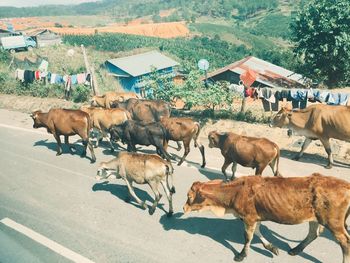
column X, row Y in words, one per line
column 122, row 192
column 225, row 231
column 312, row 158
column 78, row 147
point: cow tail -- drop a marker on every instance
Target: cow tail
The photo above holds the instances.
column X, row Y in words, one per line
column 197, row 134
column 169, row 173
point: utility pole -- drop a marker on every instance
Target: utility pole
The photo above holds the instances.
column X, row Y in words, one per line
column 93, row 81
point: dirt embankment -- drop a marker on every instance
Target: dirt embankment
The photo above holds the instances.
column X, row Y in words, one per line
column 289, row 145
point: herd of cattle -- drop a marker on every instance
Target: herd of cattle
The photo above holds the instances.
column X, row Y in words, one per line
column 322, row 201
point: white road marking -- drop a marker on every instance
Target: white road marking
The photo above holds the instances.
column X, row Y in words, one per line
column 22, row 129
column 59, row 249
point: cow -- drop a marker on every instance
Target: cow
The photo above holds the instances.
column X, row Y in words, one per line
column 246, row 151
column 142, row 169
column 316, row 122
column 323, row 201
column 135, row 132
column 106, row 99
column 183, row 129
column 145, row 110
column 103, row 119
column 65, row 122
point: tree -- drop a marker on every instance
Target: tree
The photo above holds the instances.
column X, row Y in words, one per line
column 321, row 32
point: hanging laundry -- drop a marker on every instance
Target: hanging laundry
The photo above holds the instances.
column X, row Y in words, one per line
column 29, row 76
column 43, row 65
column 343, row 99
column 59, row 79
column 53, row 78
column 299, row 98
column 37, row 74
column 269, row 101
column 19, row 74
column 49, row 76
column 323, row 96
column 88, row 79
column 74, row 79
column 81, row 78
column 333, row 99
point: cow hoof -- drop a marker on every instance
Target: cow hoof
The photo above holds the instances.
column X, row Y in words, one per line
column 58, row 154
column 151, row 211
column 172, row 190
column 329, row 166
column 203, row 165
column 239, row 257
column 93, row 161
column 274, row 250
column 127, row 199
column 143, row 206
column 170, row 214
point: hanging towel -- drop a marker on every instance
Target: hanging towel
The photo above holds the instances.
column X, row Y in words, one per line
column 20, row 74
column 81, row 78
column 29, row 76
column 333, row 99
column 74, row 79
column 53, row 78
column 43, row 65
column 343, row 99
column 323, row 96
column 37, row 75
column 59, row 79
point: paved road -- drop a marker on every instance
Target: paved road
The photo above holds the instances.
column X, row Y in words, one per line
column 58, row 198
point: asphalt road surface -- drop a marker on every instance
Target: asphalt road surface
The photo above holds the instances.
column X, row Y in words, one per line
column 53, row 210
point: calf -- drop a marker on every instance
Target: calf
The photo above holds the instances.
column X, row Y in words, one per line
column 183, row 129
column 103, row 119
column 135, row 132
column 142, row 169
column 319, row 200
column 67, row 123
column 247, row 151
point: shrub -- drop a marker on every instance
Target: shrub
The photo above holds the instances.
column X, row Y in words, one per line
column 81, row 93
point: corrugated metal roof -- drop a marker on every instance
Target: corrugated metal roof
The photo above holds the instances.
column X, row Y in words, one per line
column 268, row 73
column 141, row 64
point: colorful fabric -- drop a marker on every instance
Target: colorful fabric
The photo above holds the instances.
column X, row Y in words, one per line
column 343, row 99
column 19, row 74
column 74, row 79
column 37, row 75
column 248, row 77
column 81, row 78
column 53, row 78
column 59, row 79
column 29, row 76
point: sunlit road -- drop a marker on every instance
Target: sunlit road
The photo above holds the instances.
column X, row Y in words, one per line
column 69, row 216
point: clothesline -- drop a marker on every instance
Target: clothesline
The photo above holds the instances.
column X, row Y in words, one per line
column 29, row 76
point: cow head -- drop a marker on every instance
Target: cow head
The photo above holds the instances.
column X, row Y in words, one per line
column 96, row 101
column 214, row 138
column 117, row 132
column 282, row 117
column 200, row 200
column 36, row 118
column 119, row 103
column 103, row 172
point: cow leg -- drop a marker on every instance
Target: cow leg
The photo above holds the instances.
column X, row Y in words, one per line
column 105, row 135
column 249, row 233
column 187, row 150
column 157, row 196
column 265, row 243
column 328, row 149
column 132, row 193
column 224, row 167
column 169, row 195
column 344, row 241
column 66, row 141
column 260, row 168
column 233, row 169
column 178, row 146
column 314, row 232
column 59, row 145
column 274, row 167
column 87, row 143
column 303, row 148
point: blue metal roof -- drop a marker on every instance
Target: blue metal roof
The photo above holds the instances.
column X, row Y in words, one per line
column 144, row 63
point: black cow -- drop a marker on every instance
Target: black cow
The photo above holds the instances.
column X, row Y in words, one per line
column 142, row 133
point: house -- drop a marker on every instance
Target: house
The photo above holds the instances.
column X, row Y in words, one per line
column 268, row 74
column 132, row 71
column 44, row 37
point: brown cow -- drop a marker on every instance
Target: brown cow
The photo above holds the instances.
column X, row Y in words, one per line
column 319, row 200
column 142, row 169
column 104, row 119
column 247, row 151
column 109, row 97
column 183, row 129
column 65, row 122
column 317, row 122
